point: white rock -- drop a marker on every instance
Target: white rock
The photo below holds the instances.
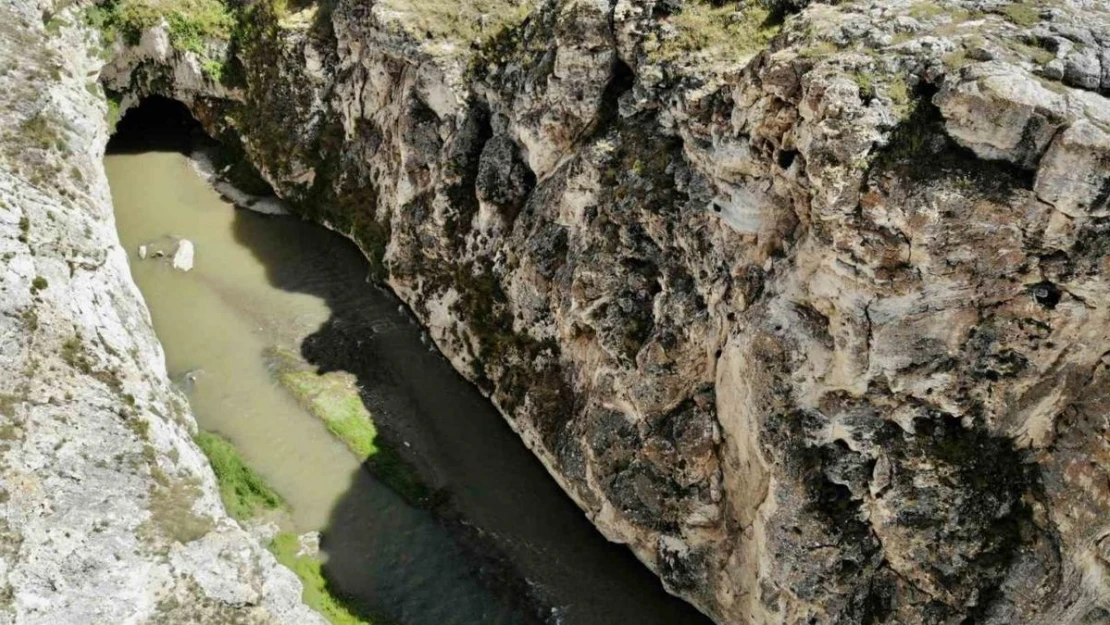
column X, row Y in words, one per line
column 183, row 257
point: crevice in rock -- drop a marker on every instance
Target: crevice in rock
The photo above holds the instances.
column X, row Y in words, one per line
column 620, row 81
column 920, row 150
column 464, row 167
column 785, row 158
column 1046, row 294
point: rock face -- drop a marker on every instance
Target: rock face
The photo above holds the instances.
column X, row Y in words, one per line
column 109, row 513
column 810, row 311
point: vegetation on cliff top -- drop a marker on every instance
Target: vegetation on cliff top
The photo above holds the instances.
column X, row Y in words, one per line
column 729, row 32
column 191, row 22
column 462, row 20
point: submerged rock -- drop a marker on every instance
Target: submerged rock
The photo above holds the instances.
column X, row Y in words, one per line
column 161, row 247
column 309, row 544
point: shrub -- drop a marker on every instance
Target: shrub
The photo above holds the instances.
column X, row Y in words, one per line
column 782, row 8
column 213, row 69
column 191, row 22
column 40, row 131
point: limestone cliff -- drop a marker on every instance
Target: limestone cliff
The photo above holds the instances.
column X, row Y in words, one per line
column 807, row 305
column 109, row 513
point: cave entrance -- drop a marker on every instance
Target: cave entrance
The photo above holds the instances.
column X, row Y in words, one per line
column 161, row 124
column 157, row 124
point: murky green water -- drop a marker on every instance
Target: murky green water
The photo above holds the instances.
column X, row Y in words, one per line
column 261, row 282
column 216, row 321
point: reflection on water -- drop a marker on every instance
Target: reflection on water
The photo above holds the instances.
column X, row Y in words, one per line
column 261, row 282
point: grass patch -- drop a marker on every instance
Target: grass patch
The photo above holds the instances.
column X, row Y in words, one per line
column 8, row 402
column 244, row 493
column 819, row 50
column 901, row 96
column 925, row 10
column 317, row 594
column 171, row 509
column 191, row 22
column 459, row 20
column 1023, row 14
column 246, row 496
column 73, row 353
column 334, row 398
column 866, row 84
column 731, row 32
column 55, row 24
column 1036, row 53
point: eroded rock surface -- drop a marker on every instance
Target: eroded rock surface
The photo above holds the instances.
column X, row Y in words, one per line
column 109, row 513
column 811, row 312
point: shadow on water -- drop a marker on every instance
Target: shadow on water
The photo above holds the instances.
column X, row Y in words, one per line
column 506, row 517
column 448, row 429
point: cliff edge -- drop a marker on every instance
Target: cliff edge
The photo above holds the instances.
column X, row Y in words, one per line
column 109, row 513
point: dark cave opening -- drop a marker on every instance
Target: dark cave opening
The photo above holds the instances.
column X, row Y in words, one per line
column 157, row 124
column 161, row 124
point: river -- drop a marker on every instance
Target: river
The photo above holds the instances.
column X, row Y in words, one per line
column 509, row 547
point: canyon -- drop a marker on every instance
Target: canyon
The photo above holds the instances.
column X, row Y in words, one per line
column 806, row 304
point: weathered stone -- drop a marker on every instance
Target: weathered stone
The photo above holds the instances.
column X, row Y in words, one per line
column 1074, row 175
column 816, row 327
column 1001, row 114
column 109, row 513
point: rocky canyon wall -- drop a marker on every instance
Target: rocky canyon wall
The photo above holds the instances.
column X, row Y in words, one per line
column 807, row 308
column 109, row 513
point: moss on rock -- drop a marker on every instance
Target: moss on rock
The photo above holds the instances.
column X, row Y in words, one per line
column 244, row 493
column 318, row 593
column 334, row 398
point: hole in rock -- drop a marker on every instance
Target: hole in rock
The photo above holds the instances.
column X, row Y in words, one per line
column 157, row 125
column 160, row 124
column 786, row 158
column 1046, row 294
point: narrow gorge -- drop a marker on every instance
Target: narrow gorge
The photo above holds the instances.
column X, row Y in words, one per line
column 805, row 304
